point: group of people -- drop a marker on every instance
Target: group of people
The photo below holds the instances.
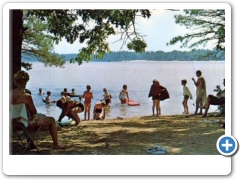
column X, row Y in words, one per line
column 70, row 108
column 202, row 101
column 159, row 93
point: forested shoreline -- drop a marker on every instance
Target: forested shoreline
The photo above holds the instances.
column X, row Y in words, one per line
column 194, row 55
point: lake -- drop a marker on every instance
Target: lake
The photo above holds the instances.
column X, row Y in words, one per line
column 137, row 75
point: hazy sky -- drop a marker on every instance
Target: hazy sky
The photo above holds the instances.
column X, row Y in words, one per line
column 159, row 29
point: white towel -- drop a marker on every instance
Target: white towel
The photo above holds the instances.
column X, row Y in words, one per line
column 204, row 99
column 19, row 111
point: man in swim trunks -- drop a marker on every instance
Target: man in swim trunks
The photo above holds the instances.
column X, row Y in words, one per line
column 201, row 91
column 70, row 109
column 98, row 109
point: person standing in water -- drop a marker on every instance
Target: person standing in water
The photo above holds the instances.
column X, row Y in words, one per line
column 123, row 95
column 88, row 95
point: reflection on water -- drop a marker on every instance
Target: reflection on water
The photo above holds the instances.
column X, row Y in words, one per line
column 123, row 110
column 112, row 75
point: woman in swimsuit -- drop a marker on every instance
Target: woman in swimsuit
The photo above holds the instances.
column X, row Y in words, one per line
column 20, row 96
column 88, row 95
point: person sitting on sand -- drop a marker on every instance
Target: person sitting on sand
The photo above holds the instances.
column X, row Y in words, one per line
column 48, row 98
column 98, row 109
column 215, row 100
column 20, row 96
column 107, row 97
column 70, row 109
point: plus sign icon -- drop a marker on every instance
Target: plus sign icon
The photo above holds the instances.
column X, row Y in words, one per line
column 227, row 145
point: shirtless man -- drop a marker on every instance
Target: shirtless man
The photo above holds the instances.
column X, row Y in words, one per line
column 201, row 91
column 98, row 108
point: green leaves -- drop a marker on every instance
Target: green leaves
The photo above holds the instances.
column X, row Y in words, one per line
column 92, row 27
column 138, row 45
column 206, row 25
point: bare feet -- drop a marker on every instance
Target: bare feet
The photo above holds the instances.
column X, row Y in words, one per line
column 59, row 147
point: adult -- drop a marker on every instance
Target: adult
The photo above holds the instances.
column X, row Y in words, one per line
column 200, row 92
column 99, row 107
column 19, row 96
column 215, row 100
column 70, row 109
column 155, row 92
column 88, row 95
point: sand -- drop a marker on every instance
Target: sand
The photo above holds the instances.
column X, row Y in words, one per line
column 179, row 134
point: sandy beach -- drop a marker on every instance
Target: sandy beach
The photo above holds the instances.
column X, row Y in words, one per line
column 179, row 134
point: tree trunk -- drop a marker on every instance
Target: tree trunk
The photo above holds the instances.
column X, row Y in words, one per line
column 15, row 43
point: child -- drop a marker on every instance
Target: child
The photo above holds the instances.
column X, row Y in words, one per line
column 73, row 92
column 123, row 96
column 98, row 109
column 48, row 98
column 107, row 97
column 186, row 95
column 88, row 95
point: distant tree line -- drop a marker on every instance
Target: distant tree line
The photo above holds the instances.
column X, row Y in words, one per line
column 194, row 55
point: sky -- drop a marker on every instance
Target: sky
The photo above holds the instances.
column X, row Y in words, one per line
column 158, row 30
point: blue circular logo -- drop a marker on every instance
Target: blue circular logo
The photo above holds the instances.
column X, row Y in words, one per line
column 227, row 145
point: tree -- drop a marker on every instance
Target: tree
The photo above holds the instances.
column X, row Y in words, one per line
column 206, row 25
column 92, row 27
column 39, row 44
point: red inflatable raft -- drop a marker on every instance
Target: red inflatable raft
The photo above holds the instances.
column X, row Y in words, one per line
column 133, row 103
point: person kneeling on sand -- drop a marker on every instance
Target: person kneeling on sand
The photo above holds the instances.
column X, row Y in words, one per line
column 98, row 109
column 70, row 109
column 215, row 100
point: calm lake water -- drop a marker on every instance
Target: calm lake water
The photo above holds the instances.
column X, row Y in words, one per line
column 138, row 75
